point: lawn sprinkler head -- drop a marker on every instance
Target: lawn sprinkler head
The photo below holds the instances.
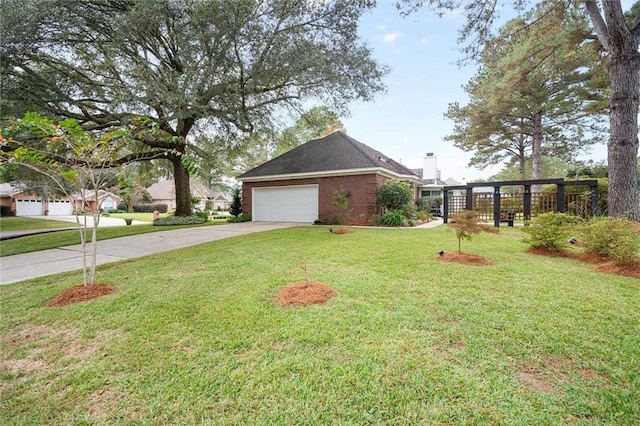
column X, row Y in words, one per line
column 572, row 240
column 441, row 252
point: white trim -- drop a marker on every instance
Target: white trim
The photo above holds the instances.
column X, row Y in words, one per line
column 330, row 173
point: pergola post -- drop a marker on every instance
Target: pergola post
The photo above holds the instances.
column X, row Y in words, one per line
column 496, row 206
column 527, row 203
column 560, row 198
column 594, row 198
column 445, row 206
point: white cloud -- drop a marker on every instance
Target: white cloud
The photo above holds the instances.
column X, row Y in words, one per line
column 425, row 40
column 391, row 38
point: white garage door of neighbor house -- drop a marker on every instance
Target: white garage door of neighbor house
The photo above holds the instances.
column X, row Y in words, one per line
column 285, row 204
column 29, row 208
column 60, row 208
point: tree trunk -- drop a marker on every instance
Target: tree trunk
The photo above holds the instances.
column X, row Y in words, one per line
column 522, row 158
column 182, row 188
column 622, row 153
column 536, row 150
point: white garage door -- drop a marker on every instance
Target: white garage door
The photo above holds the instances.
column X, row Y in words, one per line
column 60, row 208
column 285, row 204
column 29, row 208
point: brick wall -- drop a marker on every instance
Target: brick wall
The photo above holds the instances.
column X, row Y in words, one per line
column 361, row 190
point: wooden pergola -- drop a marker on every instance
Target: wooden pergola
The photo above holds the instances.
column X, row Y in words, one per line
column 497, row 210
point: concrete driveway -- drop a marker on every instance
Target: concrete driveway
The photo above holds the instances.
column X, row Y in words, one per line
column 37, row 264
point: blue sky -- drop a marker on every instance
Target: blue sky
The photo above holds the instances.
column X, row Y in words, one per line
column 407, row 121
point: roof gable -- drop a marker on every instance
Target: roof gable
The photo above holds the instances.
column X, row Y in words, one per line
column 336, row 151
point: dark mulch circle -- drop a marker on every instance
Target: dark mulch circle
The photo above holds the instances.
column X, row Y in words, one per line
column 81, row 293
column 543, row 251
column 342, row 231
column 305, row 293
column 465, row 258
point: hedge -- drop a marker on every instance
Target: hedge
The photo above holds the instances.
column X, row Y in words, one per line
column 150, row 208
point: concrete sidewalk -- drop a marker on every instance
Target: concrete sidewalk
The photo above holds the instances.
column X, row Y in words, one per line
column 37, row 264
column 105, row 222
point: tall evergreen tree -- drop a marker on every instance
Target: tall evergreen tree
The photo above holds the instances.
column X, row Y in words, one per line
column 536, row 91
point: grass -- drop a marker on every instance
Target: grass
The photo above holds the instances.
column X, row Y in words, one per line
column 142, row 217
column 193, row 337
column 31, row 243
column 19, row 223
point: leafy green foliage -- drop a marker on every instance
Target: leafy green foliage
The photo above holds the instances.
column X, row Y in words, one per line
column 551, row 230
column 393, row 218
column 613, row 238
column 467, row 223
column 394, row 194
column 236, row 203
column 242, row 217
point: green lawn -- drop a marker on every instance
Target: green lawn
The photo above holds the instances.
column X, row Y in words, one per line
column 195, row 337
column 143, row 217
column 15, row 223
column 31, row 243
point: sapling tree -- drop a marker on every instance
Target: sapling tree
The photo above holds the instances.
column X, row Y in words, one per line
column 466, row 224
column 73, row 159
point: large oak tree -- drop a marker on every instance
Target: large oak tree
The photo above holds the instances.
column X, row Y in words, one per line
column 171, row 70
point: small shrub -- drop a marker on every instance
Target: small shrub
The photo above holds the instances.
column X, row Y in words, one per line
column 328, row 220
column 203, row 215
column 422, row 215
column 612, row 238
column 123, row 207
column 465, row 224
column 394, row 218
column 393, row 194
column 177, row 220
column 5, row 211
column 551, row 230
column 242, row 217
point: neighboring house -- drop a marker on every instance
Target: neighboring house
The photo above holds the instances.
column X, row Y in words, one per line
column 106, row 200
column 301, row 185
column 163, row 192
column 25, row 204
column 432, row 183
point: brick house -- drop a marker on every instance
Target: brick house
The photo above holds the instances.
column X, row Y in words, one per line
column 303, row 185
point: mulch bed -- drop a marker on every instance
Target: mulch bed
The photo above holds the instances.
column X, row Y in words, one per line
column 305, row 293
column 602, row 264
column 465, row 258
column 81, row 293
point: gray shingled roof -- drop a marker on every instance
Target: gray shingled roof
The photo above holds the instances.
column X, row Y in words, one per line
column 336, row 151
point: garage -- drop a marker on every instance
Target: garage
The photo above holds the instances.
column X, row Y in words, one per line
column 285, row 204
column 28, row 207
column 60, row 208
